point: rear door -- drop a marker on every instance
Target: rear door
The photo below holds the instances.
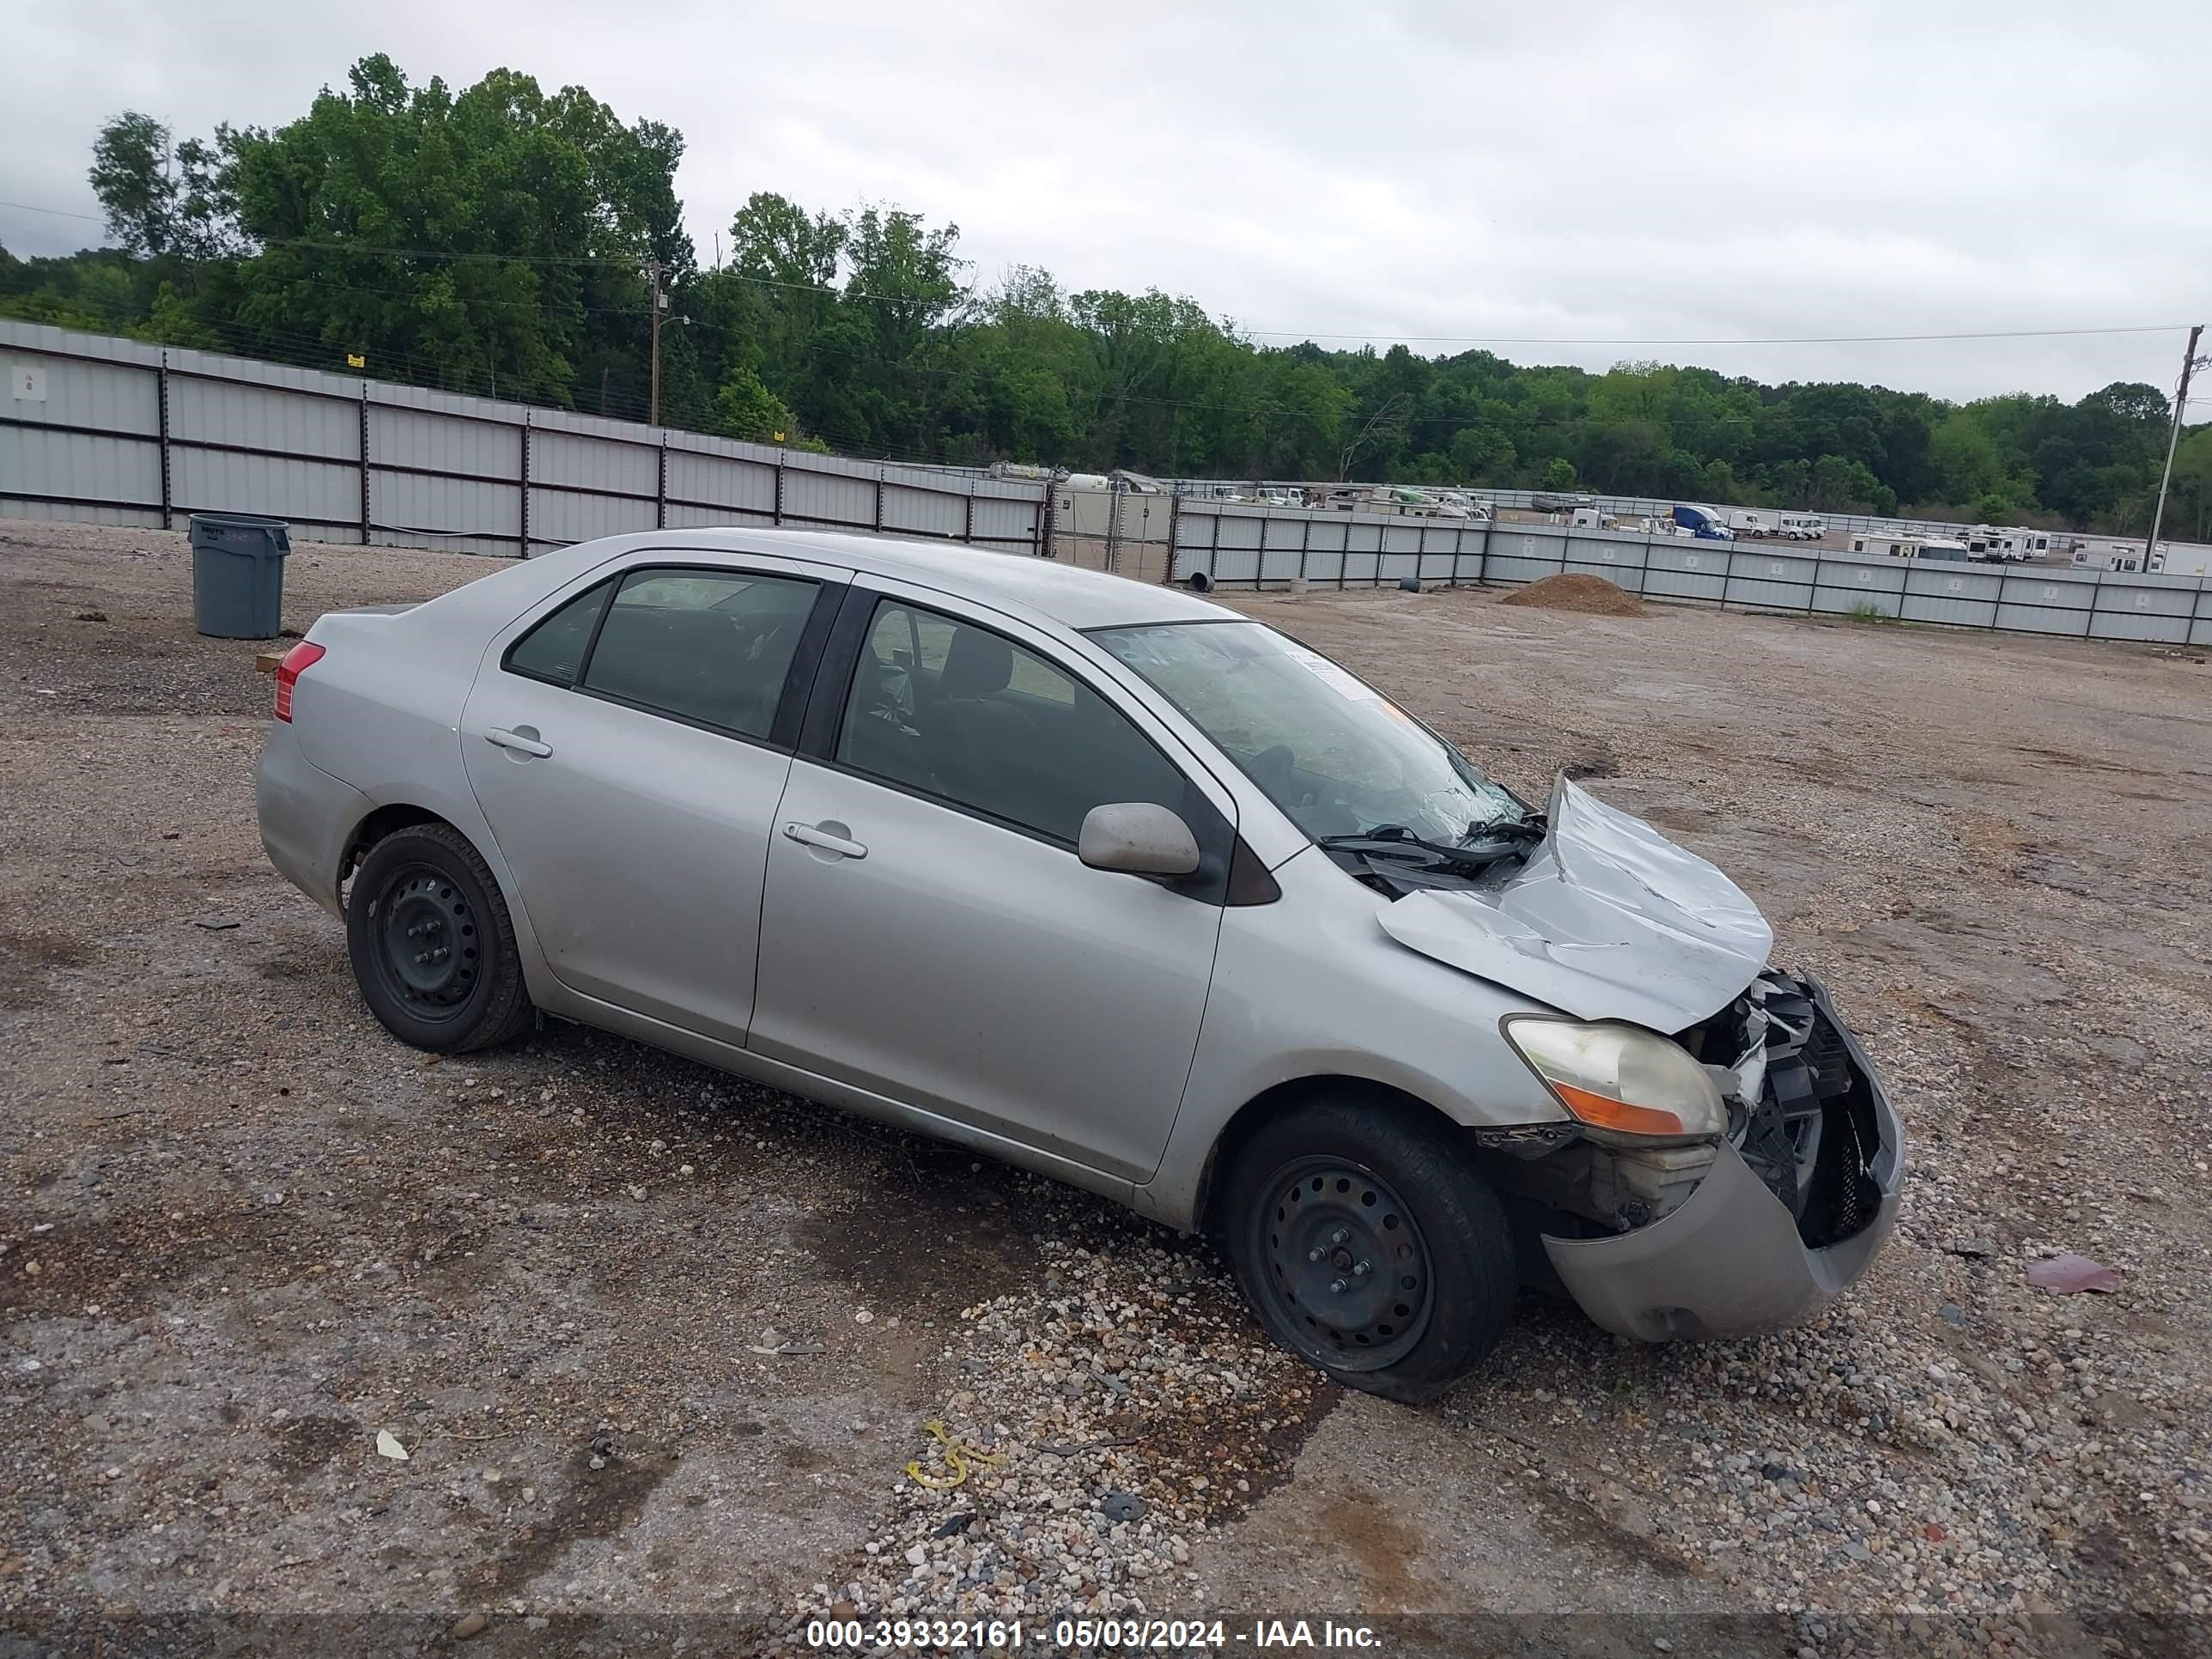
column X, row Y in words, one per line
column 628, row 743
column 928, row 932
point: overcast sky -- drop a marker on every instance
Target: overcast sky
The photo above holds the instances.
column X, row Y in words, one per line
column 1434, row 173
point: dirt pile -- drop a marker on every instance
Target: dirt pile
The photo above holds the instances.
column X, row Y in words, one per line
column 1593, row 596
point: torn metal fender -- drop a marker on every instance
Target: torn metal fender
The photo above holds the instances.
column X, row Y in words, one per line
column 1609, row 919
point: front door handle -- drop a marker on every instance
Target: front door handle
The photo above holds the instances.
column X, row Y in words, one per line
column 808, row 835
column 516, row 741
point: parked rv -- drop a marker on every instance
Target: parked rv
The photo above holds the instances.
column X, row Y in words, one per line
column 2007, row 543
column 1892, row 545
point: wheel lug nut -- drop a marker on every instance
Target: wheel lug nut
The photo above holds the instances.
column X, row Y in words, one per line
column 1359, row 1271
column 1336, row 1287
column 1339, row 1236
column 1316, row 1253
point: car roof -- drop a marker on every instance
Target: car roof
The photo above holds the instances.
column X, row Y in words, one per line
column 1064, row 593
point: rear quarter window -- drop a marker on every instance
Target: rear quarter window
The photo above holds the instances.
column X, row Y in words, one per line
column 554, row 650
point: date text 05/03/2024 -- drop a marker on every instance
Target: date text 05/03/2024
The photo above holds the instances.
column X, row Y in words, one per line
column 1086, row 1635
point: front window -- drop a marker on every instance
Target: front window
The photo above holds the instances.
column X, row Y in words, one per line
column 1338, row 757
column 946, row 708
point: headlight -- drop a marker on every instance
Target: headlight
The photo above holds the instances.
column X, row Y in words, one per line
column 1619, row 1076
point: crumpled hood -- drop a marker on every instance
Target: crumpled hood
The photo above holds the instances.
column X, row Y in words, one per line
column 1608, row 920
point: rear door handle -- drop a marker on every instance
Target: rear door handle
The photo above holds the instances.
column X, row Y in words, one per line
column 807, row 835
column 516, row 741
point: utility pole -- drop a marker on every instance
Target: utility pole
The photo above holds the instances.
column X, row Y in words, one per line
column 659, row 300
column 2189, row 363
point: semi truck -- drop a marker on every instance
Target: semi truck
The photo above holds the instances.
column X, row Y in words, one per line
column 1704, row 522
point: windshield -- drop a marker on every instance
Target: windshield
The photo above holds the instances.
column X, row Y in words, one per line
column 1331, row 751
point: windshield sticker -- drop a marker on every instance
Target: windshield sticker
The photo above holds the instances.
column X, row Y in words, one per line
column 1333, row 676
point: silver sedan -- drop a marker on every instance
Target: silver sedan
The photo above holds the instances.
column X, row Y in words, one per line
column 1106, row 881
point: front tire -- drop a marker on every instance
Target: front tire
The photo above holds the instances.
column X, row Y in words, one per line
column 431, row 944
column 1366, row 1244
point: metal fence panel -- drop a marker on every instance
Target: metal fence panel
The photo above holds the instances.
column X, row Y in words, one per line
column 705, row 488
column 1619, row 559
column 1678, row 568
column 584, row 463
column 1759, row 580
column 1325, row 534
column 1010, row 521
column 1850, row 585
column 1950, row 593
column 2144, row 608
column 2053, row 591
column 1236, row 551
column 908, row 511
column 1282, row 548
column 1440, row 551
column 96, row 472
column 439, row 442
column 294, row 441
column 51, row 510
column 264, row 418
column 457, row 515
column 107, row 396
column 558, row 517
column 314, row 494
column 1363, row 553
column 831, row 499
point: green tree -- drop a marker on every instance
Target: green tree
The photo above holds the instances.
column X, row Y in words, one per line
column 485, row 239
column 497, row 239
column 161, row 199
column 743, row 407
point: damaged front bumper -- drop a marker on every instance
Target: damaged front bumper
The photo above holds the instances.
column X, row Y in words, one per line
column 1731, row 1260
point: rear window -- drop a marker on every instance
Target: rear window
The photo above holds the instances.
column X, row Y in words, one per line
column 710, row 645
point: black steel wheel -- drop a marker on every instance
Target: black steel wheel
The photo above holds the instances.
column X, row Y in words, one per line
column 428, row 946
column 1346, row 1261
column 432, row 944
column 1366, row 1240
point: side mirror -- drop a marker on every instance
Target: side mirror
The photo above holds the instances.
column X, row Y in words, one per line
column 1136, row 838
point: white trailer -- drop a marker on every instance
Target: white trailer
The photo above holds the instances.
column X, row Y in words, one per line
column 2008, row 543
column 1892, row 544
column 2111, row 553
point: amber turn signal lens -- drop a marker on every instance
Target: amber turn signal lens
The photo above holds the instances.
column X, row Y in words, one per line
column 1600, row 1113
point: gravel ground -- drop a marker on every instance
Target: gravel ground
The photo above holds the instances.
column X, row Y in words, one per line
column 661, row 1345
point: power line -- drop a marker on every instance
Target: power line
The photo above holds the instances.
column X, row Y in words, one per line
column 59, row 213
column 1794, row 339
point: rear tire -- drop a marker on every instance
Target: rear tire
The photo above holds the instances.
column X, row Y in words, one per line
column 1366, row 1244
column 431, row 944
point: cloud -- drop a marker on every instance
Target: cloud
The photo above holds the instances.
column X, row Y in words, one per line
column 1581, row 170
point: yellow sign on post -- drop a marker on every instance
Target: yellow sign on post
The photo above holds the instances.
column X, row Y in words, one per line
column 355, row 360
column 779, row 437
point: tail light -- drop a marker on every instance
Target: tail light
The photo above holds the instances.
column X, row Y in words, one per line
column 301, row 657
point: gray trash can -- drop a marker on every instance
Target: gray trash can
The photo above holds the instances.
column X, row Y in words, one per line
column 238, row 575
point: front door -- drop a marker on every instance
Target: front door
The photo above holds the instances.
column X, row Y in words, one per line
column 628, row 750
column 928, row 932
